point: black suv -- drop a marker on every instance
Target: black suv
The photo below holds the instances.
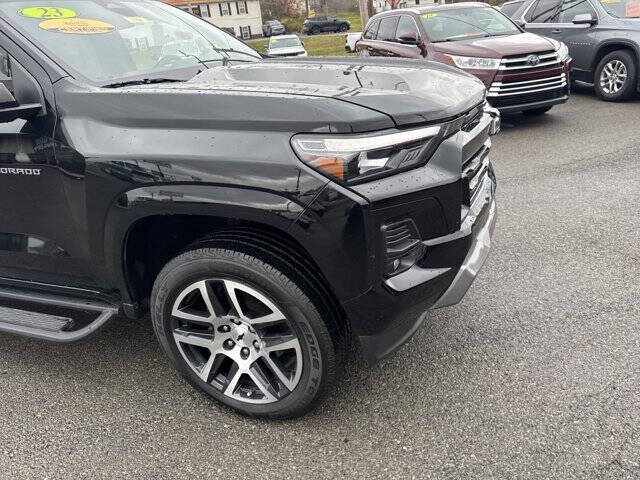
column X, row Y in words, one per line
column 264, row 212
column 603, row 39
column 315, row 25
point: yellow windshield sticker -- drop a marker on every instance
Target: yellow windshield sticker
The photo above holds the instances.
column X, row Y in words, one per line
column 610, row 1
column 429, row 15
column 78, row 26
column 48, row 12
column 137, row 20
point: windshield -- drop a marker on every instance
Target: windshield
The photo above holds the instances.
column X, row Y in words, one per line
column 276, row 43
column 106, row 40
column 622, row 8
column 461, row 23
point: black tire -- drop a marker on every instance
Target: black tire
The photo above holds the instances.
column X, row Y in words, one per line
column 322, row 342
column 315, row 30
column 604, row 91
column 344, row 27
column 534, row 112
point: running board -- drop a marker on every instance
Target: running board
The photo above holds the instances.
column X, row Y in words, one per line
column 50, row 327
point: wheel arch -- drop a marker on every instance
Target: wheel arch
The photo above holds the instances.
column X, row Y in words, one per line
column 145, row 229
column 613, row 45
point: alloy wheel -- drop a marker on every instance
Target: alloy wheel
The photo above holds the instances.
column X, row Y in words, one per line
column 237, row 340
column 613, row 77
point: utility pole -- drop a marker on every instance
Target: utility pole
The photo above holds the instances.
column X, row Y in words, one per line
column 364, row 13
column 306, row 6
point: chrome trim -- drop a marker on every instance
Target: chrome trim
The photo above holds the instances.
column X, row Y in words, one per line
column 526, row 87
column 506, row 94
column 523, row 67
column 524, row 59
column 525, row 82
column 472, row 263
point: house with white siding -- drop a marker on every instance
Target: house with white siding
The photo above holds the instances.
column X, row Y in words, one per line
column 243, row 17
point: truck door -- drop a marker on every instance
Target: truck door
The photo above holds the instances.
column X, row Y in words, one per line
column 38, row 237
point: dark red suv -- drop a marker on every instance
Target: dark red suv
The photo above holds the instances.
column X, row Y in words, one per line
column 522, row 71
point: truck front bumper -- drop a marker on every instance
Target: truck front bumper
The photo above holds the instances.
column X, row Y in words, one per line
column 455, row 260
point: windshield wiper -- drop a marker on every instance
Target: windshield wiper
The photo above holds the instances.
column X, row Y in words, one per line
column 141, row 81
column 464, row 37
column 231, row 50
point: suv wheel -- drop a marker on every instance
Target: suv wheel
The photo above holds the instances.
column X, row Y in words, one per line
column 315, row 30
column 344, row 27
column 615, row 77
column 244, row 332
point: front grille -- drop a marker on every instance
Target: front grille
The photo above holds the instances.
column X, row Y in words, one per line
column 473, row 172
column 527, row 63
column 526, row 87
column 472, row 119
column 529, row 97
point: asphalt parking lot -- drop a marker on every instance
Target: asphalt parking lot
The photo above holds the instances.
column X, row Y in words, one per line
column 536, row 374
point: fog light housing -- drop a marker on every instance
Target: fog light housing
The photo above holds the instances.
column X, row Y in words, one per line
column 402, row 244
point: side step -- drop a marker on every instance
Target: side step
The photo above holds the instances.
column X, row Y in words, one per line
column 45, row 326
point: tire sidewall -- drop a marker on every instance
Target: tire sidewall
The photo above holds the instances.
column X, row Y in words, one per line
column 630, row 83
column 315, row 343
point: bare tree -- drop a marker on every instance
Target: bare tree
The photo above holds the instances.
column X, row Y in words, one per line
column 276, row 9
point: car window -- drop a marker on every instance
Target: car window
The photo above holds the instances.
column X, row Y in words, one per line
column 287, row 42
column 109, row 40
column 372, row 30
column 571, row 8
column 510, row 8
column 387, row 29
column 406, row 27
column 543, row 11
column 5, row 70
column 466, row 22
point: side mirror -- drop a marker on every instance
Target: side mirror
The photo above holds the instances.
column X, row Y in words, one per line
column 10, row 110
column 409, row 38
column 583, row 19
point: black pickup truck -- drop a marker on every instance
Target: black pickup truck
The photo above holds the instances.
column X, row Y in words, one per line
column 265, row 212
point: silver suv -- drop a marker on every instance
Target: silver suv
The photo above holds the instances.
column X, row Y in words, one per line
column 603, row 37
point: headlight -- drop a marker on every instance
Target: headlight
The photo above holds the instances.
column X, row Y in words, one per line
column 475, row 63
column 563, row 52
column 354, row 158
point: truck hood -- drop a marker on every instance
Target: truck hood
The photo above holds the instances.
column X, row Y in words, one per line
column 406, row 91
column 496, row 47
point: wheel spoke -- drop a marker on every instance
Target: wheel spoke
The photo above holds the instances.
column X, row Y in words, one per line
column 286, row 381
column 262, row 383
column 271, row 318
column 275, row 315
column 231, row 292
column 199, row 339
column 284, row 342
column 235, row 373
column 204, row 292
column 206, row 369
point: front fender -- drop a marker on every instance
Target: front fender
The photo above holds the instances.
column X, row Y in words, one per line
column 132, row 206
